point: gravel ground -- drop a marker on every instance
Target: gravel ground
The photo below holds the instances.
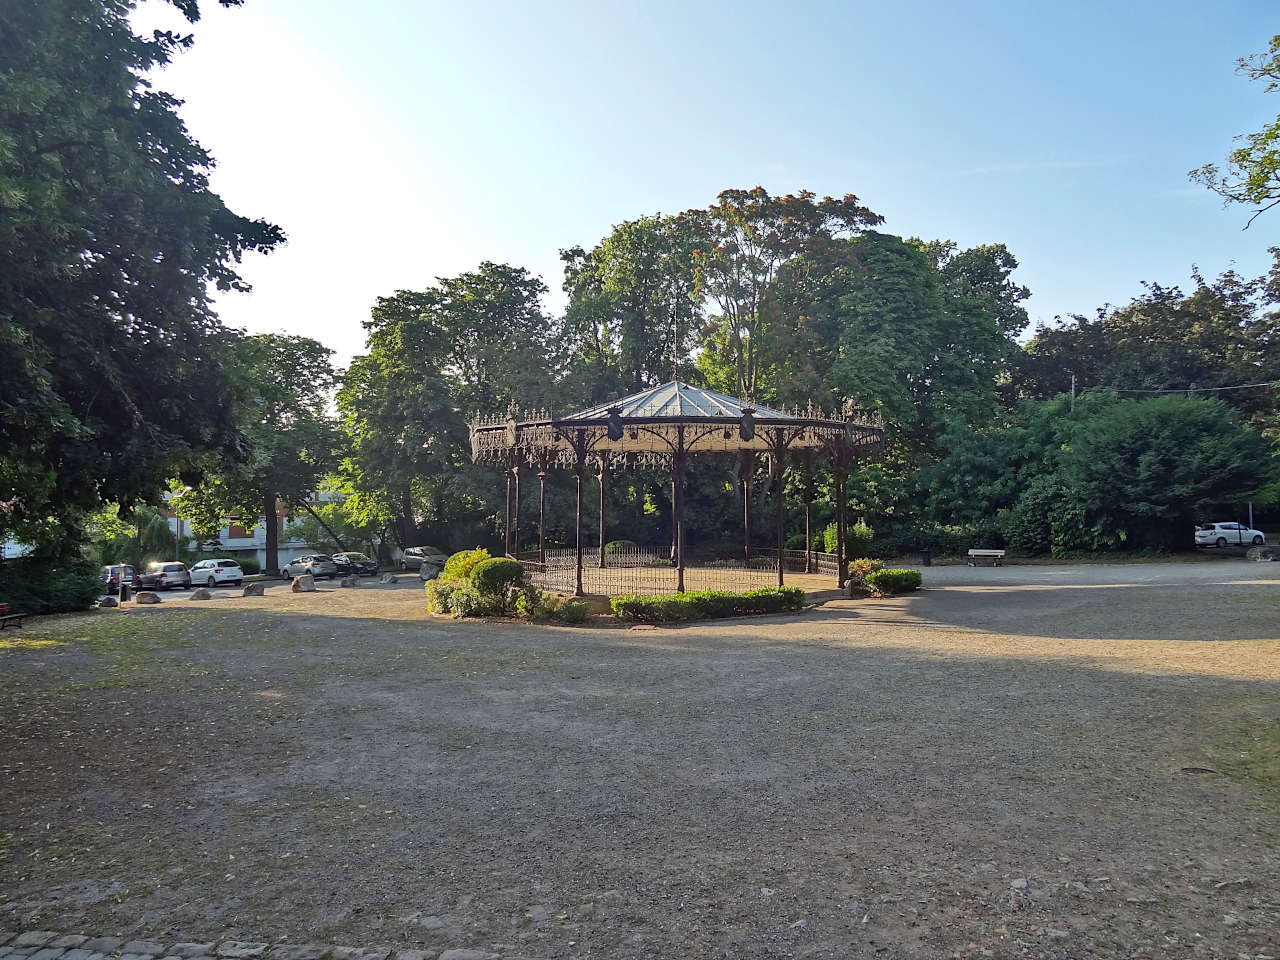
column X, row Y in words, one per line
column 1038, row 762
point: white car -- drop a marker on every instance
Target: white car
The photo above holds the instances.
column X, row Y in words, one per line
column 1228, row 534
column 316, row 564
column 210, row 573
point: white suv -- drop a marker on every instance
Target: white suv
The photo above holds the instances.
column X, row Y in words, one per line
column 1227, row 534
column 210, row 573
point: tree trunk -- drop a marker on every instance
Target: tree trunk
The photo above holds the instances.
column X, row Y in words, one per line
column 271, row 518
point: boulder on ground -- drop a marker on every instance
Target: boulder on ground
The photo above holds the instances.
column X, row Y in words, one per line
column 108, row 602
column 348, row 581
column 255, row 590
column 304, row 584
column 1261, row 554
column 201, row 593
column 146, row 596
column 387, row 578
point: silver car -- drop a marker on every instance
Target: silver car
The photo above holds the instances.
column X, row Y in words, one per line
column 316, row 564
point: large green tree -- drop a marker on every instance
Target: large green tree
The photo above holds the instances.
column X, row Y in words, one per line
column 750, row 237
column 634, row 307
column 110, row 243
column 475, row 343
column 1221, row 335
column 289, row 440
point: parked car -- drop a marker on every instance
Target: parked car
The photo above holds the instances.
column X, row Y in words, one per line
column 316, row 564
column 355, row 563
column 111, row 577
column 432, row 566
column 210, row 573
column 1227, row 534
column 412, row 557
column 165, row 575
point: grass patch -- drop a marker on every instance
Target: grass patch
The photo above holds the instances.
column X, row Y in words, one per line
column 1255, row 758
column 29, row 643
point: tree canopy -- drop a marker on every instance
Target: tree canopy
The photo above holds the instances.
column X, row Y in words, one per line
column 110, row 241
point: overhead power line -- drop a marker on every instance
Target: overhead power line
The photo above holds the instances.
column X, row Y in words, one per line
column 1238, row 386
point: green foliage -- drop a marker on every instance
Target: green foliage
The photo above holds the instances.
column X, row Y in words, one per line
column 860, row 568
column 495, row 576
column 39, row 585
column 111, row 247
column 573, row 610
column 1219, row 335
column 1110, row 474
column 616, row 546
column 143, row 536
column 532, row 603
column 460, row 565
column 1252, row 176
column 465, row 601
column 290, row 443
column 795, row 541
column 438, row 593
column 888, row 582
column 250, row 566
column 858, row 538
column 706, row 604
column 634, row 307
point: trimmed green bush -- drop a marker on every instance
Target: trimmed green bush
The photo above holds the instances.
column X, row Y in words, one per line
column 860, row 568
column 438, row 593
column 495, row 576
column 572, row 611
column 35, row 585
column 886, row 583
column 250, row 566
column 459, row 566
column 795, row 541
column 615, row 546
column 706, row 604
column 469, row 602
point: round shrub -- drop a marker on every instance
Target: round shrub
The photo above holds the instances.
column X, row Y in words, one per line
column 438, row 594
column 458, row 566
column 616, row 546
column 860, row 568
column 493, row 577
column 795, row 541
column 887, row 583
column 470, row 602
column 250, row 566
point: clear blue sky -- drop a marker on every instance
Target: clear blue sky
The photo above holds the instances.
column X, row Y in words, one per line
column 399, row 141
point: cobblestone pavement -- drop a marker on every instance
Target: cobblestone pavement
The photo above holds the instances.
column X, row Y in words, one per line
column 51, row 945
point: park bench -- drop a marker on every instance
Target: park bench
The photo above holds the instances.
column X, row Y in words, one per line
column 995, row 556
column 7, row 618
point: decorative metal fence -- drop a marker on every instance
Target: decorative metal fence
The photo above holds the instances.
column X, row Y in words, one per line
column 647, row 570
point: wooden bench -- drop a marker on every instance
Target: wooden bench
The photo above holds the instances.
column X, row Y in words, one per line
column 8, row 618
column 995, row 556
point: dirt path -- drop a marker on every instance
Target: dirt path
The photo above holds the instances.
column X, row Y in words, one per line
column 998, row 767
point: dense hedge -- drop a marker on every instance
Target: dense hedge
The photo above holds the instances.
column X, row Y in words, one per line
column 886, row 583
column 614, row 546
column 706, row 604
column 34, row 585
column 495, row 576
column 458, row 566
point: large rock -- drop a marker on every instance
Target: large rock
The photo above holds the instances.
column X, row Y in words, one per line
column 108, row 602
column 146, row 596
column 304, row 584
column 201, row 593
column 255, row 590
column 1261, row 554
column 387, row 578
column 348, row 581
